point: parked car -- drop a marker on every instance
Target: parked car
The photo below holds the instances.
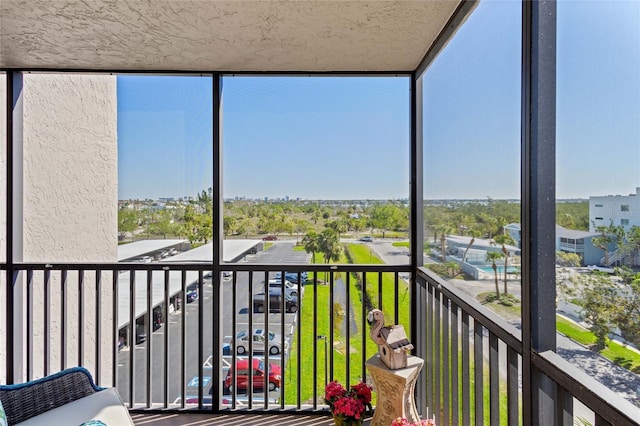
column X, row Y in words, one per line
column 243, row 371
column 259, row 339
column 366, row 239
column 270, row 238
column 275, row 302
column 289, row 287
column 146, row 259
column 192, row 295
column 293, row 277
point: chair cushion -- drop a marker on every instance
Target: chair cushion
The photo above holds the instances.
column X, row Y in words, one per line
column 105, row 406
column 3, row 416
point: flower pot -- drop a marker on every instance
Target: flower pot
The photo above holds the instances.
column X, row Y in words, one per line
column 342, row 421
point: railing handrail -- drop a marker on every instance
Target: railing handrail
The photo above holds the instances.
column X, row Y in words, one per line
column 611, row 406
column 497, row 325
column 206, row 266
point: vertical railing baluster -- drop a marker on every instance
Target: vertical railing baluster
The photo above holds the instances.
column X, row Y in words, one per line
column 234, row 337
column 437, row 318
column 267, row 367
column 114, row 327
column 200, row 339
column 132, row 335
column 63, row 322
column 396, row 299
column 363, row 325
column 47, row 321
column 565, row 406
column 478, row 365
column 165, row 343
column 98, row 321
column 600, row 421
column 513, row 415
column 299, row 341
column 446, row 361
column 347, row 322
column 30, row 350
column 315, row 343
column 455, row 336
column 81, row 317
column 283, row 312
column 250, row 327
column 494, row 380
column 465, row 408
column 430, row 348
column 149, row 331
column 380, row 291
column 183, row 339
column 331, row 302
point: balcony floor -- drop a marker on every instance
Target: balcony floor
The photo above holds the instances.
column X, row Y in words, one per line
column 187, row 419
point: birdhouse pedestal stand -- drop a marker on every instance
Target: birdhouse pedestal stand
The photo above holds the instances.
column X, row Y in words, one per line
column 394, row 389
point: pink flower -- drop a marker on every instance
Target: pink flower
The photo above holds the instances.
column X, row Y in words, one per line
column 363, row 392
column 399, row 421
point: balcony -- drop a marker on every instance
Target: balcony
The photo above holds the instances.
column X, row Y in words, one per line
column 165, row 334
column 473, row 357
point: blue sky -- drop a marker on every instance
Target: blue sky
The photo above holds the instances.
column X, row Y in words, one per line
column 346, row 138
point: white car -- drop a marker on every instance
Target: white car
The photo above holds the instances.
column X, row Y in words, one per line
column 242, row 342
column 289, row 287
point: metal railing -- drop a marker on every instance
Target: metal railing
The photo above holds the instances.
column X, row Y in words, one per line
column 157, row 330
column 175, row 350
column 474, row 368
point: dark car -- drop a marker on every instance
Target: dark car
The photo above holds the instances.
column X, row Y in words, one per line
column 293, row 277
column 192, row 295
column 275, row 301
column 270, row 238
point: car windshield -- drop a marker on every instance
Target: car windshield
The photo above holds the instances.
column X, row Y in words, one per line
column 261, row 366
column 272, row 335
column 242, row 335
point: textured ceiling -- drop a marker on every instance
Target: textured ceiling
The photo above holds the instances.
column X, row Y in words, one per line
column 215, row 35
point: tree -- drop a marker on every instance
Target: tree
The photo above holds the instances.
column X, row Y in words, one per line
column 600, row 304
column 443, row 229
column 504, row 240
column 311, row 243
column 492, row 256
column 568, row 259
column 163, row 224
column 474, row 233
column 608, row 235
column 330, row 245
column 127, row 222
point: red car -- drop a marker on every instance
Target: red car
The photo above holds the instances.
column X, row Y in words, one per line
column 270, row 238
column 242, row 376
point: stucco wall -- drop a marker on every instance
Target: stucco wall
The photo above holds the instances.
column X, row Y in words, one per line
column 69, row 210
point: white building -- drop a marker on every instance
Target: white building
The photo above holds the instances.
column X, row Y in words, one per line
column 621, row 210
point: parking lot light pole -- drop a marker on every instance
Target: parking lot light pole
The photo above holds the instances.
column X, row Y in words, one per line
column 323, row 337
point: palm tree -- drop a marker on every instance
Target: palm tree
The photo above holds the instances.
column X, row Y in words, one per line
column 474, row 233
column 329, row 244
column 311, row 242
column 443, row 229
column 492, row 256
column 504, row 240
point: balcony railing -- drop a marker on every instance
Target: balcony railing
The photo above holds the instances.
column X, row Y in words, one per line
column 163, row 347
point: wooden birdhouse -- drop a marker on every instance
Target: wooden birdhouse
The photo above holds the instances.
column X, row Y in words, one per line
column 392, row 341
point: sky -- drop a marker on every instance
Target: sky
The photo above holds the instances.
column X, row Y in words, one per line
column 348, row 138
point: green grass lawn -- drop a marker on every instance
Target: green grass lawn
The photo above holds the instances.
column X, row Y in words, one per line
column 613, row 351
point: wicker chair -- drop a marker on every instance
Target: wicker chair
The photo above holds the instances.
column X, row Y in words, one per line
column 26, row 400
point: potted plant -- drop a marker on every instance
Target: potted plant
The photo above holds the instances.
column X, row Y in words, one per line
column 348, row 406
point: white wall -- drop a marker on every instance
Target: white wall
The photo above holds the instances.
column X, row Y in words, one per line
column 68, row 205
